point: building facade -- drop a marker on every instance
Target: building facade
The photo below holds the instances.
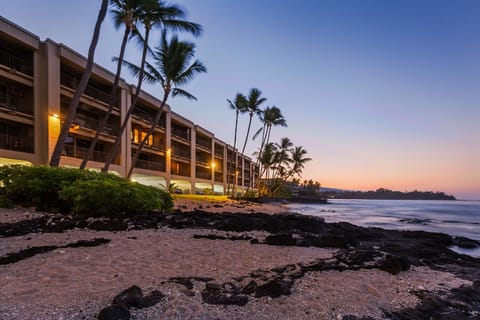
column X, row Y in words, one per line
column 37, row 81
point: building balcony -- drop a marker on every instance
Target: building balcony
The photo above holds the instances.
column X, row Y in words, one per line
column 150, row 165
column 10, row 103
column 147, row 117
column 204, row 147
column 91, row 123
column 203, row 174
column 181, row 155
column 203, row 162
column 79, row 153
column 152, row 147
column 16, row 143
column 91, row 91
column 16, row 63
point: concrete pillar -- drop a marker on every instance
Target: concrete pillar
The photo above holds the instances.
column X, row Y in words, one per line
column 193, row 158
column 243, row 172
column 225, row 169
column 213, row 164
column 51, row 100
column 168, row 148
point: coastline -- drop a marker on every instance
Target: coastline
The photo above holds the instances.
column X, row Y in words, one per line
column 226, row 261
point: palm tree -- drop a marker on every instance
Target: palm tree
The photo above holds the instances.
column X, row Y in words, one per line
column 285, row 148
column 72, row 107
column 125, row 12
column 239, row 104
column 253, row 104
column 153, row 13
column 298, row 161
column 267, row 160
column 271, row 116
column 171, row 69
column 254, row 101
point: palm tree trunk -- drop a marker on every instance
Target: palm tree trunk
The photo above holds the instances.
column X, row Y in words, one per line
column 149, row 133
column 234, row 152
column 248, row 133
column 257, row 163
column 114, row 150
column 113, row 96
column 72, row 108
column 246, row 139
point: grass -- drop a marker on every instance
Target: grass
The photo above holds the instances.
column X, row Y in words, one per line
column 200, row 197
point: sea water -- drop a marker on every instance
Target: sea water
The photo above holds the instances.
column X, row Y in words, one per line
column 456, row 218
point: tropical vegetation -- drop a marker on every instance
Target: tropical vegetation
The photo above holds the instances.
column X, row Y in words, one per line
column 84, row 192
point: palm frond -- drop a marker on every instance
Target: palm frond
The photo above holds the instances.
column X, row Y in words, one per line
column 187, row 75
column 183, row 93
column 140, row 41
column 257, row 133
column 135, row 71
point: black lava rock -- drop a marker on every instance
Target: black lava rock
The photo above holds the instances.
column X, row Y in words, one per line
column 114, row 312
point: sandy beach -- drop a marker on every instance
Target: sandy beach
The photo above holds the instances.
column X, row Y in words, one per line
column 69, row 279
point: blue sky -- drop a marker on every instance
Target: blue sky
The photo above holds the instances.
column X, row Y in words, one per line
column 381, row 93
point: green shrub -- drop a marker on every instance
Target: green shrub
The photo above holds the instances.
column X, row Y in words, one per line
column 105, row 197
column 38, row 186
column 81, row 191
column 5, row 202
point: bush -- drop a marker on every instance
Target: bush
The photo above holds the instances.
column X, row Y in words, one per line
column 81, row 191
column 38, row 186
column 5, row 202
column 104, row 196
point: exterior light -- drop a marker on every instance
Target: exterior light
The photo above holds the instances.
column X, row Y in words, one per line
column 55, row 115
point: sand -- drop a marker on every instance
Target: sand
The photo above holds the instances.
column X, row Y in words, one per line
column 76, row 283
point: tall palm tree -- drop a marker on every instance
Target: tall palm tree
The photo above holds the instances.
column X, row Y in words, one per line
column 124, row 12
column 254, row 101
column 271, row 116
column 239, row 104
column 72, row 107
column 153, row 13
column 171, row 69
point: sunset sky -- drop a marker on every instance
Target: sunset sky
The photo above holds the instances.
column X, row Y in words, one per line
column 380, row 93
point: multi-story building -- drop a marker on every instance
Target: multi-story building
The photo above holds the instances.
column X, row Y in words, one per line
column 38, row 80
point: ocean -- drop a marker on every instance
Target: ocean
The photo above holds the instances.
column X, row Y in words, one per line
column 456, row 218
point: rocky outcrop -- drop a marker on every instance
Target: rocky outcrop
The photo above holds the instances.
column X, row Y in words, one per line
column 131, row 297
column 30, row 252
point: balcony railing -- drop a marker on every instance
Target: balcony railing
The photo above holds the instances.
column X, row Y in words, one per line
column 219, row 154
column 150, row 165
column 153, row 147
column 147, row 117
column 12, row 103
column 15, row 143
column 180, row 134
column 207, row 175
column 91, row 91
column 181, row 154
column 206, row 145
column 16, row 63
column 91, row 123
column 79, row 152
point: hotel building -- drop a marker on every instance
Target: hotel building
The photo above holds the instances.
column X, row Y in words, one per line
column 38, row 80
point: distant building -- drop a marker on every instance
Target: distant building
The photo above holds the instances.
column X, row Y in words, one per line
column 38, row 80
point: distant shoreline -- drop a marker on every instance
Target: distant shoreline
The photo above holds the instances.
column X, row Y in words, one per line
column 385, row 194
